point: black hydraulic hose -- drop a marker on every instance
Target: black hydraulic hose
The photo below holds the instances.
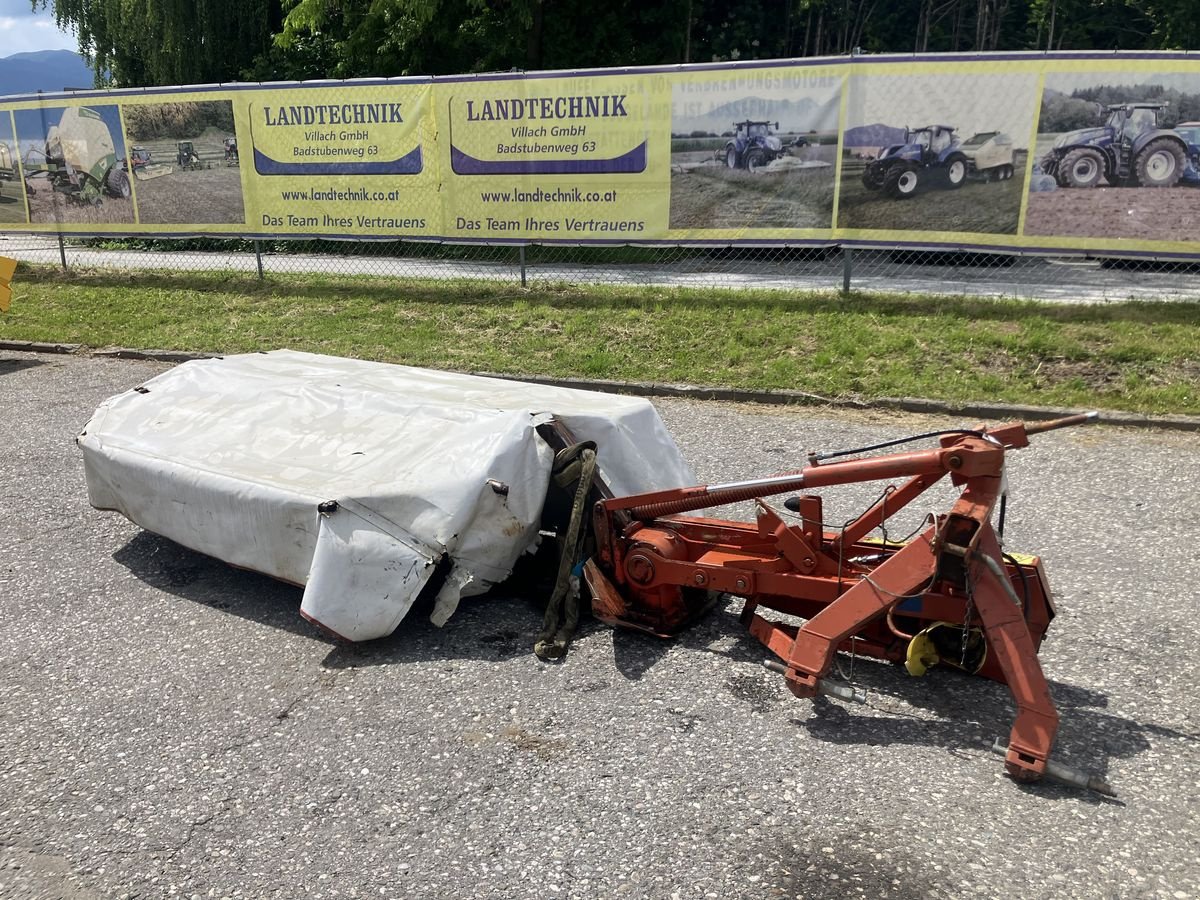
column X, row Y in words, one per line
column 817, row 457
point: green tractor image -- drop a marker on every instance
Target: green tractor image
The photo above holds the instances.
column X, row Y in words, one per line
column 186, row 157
column 7, row 172
column 1130, row 148
column 80, row 159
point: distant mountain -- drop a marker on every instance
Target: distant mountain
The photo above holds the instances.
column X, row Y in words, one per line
column 877, row 135
column 792, row 116
column 43, row 70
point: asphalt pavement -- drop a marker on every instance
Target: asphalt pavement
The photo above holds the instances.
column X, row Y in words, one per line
column 171, row 727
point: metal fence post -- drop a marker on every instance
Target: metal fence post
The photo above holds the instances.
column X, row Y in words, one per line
column 62, row 251
column 521, row 248
column 847, row 268
column 258, row 259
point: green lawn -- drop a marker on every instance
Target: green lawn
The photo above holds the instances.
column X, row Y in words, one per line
column 1132, row 356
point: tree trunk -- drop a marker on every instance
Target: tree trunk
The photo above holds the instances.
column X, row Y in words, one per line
column 533, row 42
column 687, row 35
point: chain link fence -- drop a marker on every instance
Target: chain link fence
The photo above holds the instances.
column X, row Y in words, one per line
column 1077, row 278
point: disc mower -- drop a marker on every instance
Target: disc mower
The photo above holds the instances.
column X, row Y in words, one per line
column 440, row 485
column 139, row 162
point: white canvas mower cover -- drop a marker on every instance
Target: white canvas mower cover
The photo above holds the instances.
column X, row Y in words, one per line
column 356, row 479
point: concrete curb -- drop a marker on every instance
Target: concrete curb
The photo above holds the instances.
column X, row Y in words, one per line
column 1004, row 411
column 39, row 347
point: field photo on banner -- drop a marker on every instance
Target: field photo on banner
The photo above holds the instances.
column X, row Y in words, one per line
column 183, row 171
column 754, row 150
column 12, row 189
column 73, row 160
column 941, row 150
column 1118, row 156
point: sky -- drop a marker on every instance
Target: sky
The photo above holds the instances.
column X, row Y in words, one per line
column 1066, row 82
column 971, row 103
column 22, row 30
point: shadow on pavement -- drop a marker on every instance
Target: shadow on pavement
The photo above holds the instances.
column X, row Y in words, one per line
column 491, row 627
column 944, row 709
column 12, row 366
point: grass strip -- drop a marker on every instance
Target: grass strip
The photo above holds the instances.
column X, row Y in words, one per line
column 1136, row 356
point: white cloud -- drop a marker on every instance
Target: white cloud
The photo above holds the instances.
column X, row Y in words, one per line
column 30, row 32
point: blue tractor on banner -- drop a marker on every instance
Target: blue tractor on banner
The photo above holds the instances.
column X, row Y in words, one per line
column 754, row 145
column 1130, row 148
column 929, row 156
column 1190, row 132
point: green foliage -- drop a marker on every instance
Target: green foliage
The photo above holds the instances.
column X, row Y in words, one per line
column 177, row 120
column 159, row 42
column 167, row 42
column 1087, row 107
column 399, row 37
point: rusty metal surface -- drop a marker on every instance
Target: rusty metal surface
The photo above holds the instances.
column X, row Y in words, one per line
column 169, row 725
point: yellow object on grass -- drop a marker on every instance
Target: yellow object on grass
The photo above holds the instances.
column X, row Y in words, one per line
column 7, row 267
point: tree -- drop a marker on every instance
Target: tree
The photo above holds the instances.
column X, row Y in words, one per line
column 137, row 43
column 442, row 37
column 148, row 42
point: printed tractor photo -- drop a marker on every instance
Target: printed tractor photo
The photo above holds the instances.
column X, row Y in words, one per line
column 188, row 159
column 193, row 178
column 12, row 200
column 761, row 160
column 1118, row 157
column 7, row 171
column 933, row 156
column 1131, row 148
column 753, row 146
column 79, row 159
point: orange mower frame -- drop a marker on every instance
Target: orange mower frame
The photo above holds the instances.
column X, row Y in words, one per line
column 657, row 571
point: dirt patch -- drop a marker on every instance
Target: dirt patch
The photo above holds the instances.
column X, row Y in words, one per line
column 706, row 194
column 1096, row 374
column 208, row 195
column 49, row 206
column 12, row 205
column 1147, row 214
column 981, row 207
column 192, row 197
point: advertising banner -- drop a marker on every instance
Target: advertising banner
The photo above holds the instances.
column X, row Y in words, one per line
column 998, row 151
column 565, row 159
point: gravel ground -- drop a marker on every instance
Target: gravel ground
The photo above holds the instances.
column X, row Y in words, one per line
column 170, row 726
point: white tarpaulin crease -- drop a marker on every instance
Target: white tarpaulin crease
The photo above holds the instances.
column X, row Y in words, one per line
column 232, row 458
